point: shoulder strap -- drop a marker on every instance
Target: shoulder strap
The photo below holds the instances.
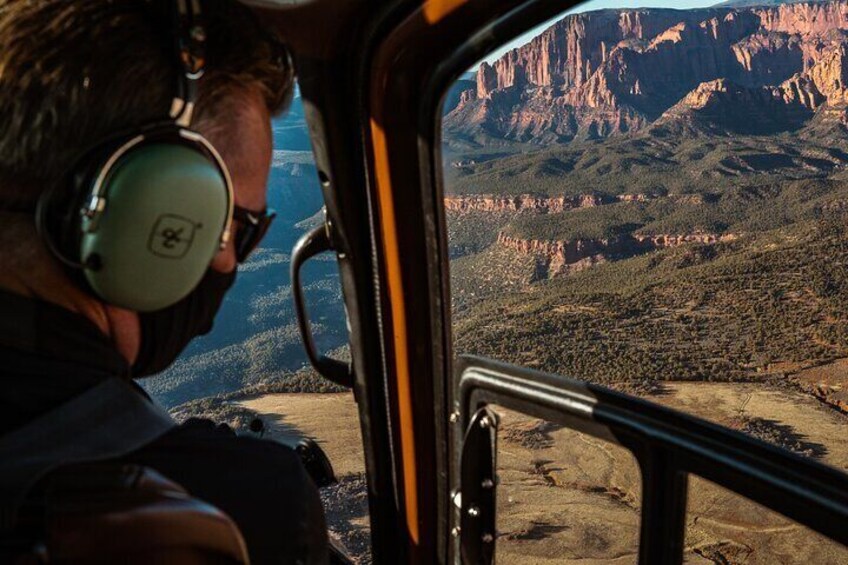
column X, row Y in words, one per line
column 107, row 421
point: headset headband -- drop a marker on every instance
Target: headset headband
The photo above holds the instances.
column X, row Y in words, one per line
column 189, row 35
column 190, row 46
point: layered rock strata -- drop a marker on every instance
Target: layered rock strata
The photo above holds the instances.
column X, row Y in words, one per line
column 566, row 256
column 602, row 73
column 533, row 203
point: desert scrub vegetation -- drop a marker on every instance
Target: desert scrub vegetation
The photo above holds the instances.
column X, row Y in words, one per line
column 706, row 313
column 225, row 408
column 647, row 162
column 742, row 209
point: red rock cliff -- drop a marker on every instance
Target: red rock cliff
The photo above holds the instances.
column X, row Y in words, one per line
column 600, row 73
column 565, row 256
column 533, row 203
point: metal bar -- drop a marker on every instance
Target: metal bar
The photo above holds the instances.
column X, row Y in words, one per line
column 663, row 509
column 668, row 444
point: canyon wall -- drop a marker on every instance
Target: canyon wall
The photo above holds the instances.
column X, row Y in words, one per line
column 563, row 257
column 600, row 73
column 492, row 203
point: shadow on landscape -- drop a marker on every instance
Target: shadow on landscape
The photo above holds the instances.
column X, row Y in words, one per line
column 535, row 531
column 531, row 435
column 276, row 426
column 781, row 435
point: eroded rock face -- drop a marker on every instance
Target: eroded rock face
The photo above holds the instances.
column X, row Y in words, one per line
column 803, row 18
column 564, row 257
column 727, row 106
column 534, row 203
column 602, row 73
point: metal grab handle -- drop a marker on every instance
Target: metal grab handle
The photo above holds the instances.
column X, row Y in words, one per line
column 311, row 244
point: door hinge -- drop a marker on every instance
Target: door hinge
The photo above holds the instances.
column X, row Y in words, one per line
column 478, row 481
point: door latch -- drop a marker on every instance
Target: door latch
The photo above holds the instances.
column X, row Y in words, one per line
column 311, row 244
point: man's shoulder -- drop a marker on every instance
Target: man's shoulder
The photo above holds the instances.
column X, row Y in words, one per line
column 202, row 438
column 260, row 483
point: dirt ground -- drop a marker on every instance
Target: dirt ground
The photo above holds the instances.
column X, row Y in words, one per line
column 568, row 498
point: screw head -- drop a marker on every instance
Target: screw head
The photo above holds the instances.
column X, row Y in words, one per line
column 488, row 538
column 473, row 511
column 197, row 33
column 488, row 483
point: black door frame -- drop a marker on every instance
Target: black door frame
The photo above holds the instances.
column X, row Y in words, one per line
column 331, row 43
column 668, row 446
column 411, row 69
column 388, row 63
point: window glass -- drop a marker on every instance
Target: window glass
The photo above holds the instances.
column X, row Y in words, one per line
column 564, row 496
column 723, row 527
column 654, row 199
column 252, row 364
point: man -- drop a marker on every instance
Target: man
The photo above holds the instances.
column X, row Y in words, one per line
column 73, row 73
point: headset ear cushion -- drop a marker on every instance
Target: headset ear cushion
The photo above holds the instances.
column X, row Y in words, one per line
column 166, row 206
column 58, row 213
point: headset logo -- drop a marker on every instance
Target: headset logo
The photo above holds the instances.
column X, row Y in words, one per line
column 172, row 236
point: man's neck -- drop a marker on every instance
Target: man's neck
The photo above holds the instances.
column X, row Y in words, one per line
column 29, row 270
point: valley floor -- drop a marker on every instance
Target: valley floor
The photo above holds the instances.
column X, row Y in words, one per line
column 569, row 498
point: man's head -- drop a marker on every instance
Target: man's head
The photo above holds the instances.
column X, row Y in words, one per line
column 76, row 72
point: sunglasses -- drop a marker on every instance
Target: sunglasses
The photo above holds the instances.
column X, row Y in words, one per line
column 251, row 229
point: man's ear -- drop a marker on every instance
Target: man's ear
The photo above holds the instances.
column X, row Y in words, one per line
column 225, row 260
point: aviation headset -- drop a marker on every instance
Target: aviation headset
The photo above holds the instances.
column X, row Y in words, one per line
column 146, row 212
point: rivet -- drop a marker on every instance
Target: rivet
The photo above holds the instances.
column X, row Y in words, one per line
column 454, row 417
column 485, row 422
column 473, row 511
column 488, row 538
column 488, row 483
column 455, row 532
column 198, row 33
column 456, row 497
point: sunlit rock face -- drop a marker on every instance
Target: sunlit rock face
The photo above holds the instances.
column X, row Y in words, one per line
column 564, row 257
column 534, row 203
column 603, row 73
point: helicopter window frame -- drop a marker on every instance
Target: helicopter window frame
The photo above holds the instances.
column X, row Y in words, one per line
column 680, row 444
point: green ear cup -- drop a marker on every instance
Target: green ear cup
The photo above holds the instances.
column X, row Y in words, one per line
column 165, row 208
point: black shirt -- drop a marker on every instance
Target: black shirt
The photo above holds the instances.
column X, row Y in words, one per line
column 48, row 355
